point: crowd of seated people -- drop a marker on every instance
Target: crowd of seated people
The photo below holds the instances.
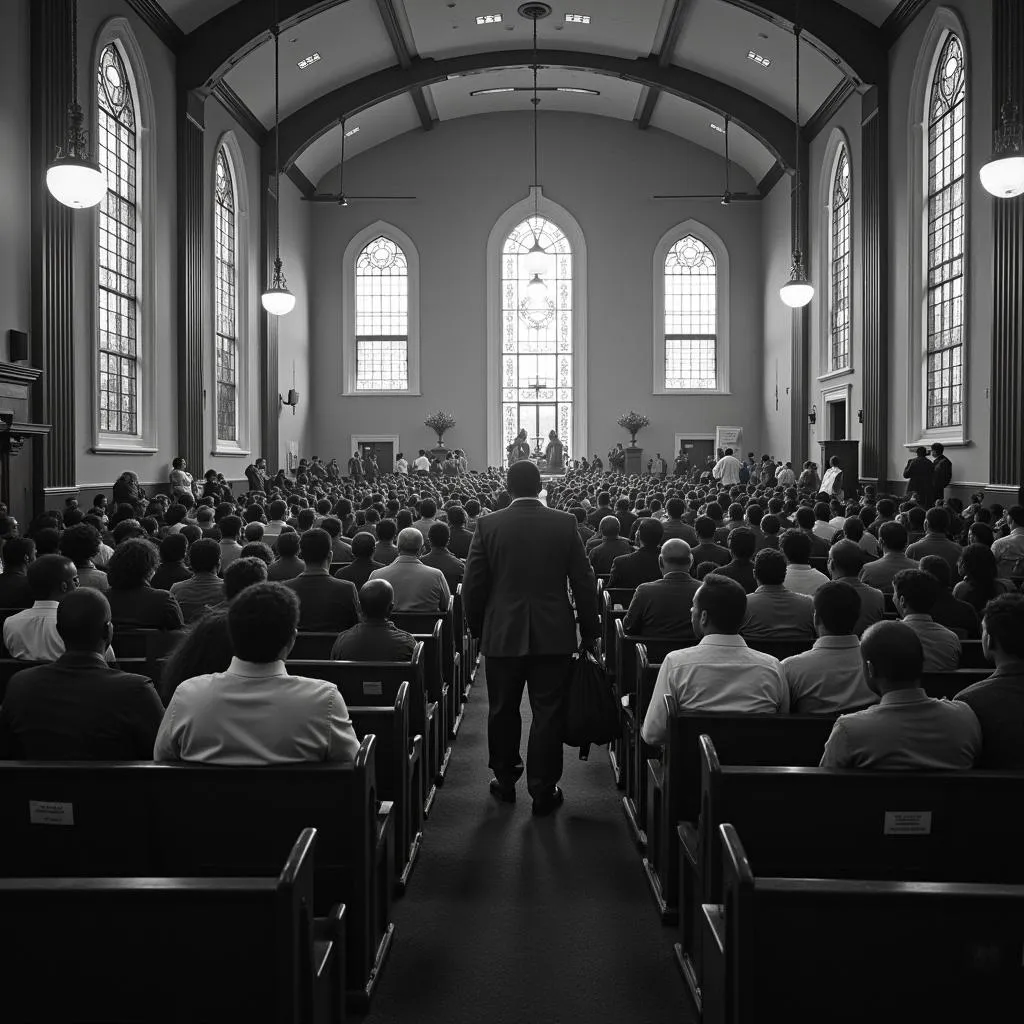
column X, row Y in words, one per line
column 762, row 559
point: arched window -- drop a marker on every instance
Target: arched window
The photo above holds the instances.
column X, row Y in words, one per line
column 225, row 299
column 382, row 317
column 691, row 316
column 841, row 278
column 118, row 334
column 537, row 335
column 945, row 242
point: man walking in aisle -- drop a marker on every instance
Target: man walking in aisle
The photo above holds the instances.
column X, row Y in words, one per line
column 516, row 602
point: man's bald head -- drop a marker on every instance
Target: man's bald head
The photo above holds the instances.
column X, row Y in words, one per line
column 676, row 555
column 83, row 620
column 893, row 655
column 377, row 599
column 410, row 541
column 609, row 527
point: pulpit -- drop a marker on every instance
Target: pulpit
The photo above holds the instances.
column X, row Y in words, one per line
column 16, row 427
column 634, row 460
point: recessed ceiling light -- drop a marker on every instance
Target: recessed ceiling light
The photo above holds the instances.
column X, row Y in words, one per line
column 582, row 92
column 488, row 19
column 491, row 92
column 578, row 19
column 717, row 127
column 307, row 61
column 351, row 132
column 765, row 62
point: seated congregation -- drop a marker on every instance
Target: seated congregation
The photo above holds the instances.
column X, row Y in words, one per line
column 787, row 664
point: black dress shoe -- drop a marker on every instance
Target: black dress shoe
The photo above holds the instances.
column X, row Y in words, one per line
column 545, row 805
column 503, row 794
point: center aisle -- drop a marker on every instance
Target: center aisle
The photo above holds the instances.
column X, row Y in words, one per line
column 513, row 919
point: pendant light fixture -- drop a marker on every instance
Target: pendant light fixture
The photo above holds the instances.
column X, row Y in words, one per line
column 797, row 291
column 277, row 299
column 74, row 178
column 537, row 260
column 1003, row 175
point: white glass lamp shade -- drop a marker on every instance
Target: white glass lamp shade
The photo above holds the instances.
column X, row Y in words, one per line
column 76, row 182
column 278, row 301
column 1003, row 176
column 537, row 262
column 536, row 291
column 797, row 291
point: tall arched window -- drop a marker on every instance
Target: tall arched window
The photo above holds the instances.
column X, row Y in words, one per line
column 841, row 278
column 537, row 380
column 382, row 317
column 691, row 316
column 117, row 255
column 946, row 120
column 225, row 299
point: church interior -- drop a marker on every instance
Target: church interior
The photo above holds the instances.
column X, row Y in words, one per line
column 273, row 229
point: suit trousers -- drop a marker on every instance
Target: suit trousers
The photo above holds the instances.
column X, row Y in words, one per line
column 545, row 677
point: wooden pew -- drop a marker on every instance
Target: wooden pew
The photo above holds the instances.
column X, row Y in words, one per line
column 146, row 819
column 779, row 649
column 614, row 604
column 462, row 644
column 312, row 646
column 373, row 682
column 144, row 643
column 674, row 782
column 439, row 696
column 451, row 659
column 173, row 949
column 882, row 951
column 902, row 826
column 972, row 656
column 949, row 684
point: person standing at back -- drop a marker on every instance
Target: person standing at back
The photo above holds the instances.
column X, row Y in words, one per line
column 516, row 602
column 727, row 469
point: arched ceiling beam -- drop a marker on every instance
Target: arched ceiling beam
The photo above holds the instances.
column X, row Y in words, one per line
column 772, row 129
column 208, row 53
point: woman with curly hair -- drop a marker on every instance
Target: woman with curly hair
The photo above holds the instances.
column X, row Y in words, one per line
column 134, row 603
column 980, row 581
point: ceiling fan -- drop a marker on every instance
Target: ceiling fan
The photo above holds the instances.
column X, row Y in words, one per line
column 726, row 197
column 341, row 197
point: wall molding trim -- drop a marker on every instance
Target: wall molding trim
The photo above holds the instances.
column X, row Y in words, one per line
column 162, row 24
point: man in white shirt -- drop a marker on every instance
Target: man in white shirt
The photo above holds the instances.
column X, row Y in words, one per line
column 402, row 465
column 277, row 510
column 830, row 677
column 1009, row 551
column 422, row 463
column 823, row 527
column 801, row 578
column 255, row 713
column 727, row 469
column 417, row 587
column 907, row 729
column 31, row 635
column 784, row 475
column 721, row 673
column 914, row 594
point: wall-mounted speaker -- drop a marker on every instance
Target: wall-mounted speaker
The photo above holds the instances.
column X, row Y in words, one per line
column 17, row 345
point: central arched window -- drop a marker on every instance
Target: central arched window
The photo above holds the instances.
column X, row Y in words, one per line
column 946, row 237
column 382, row 317
column 841, row 277
column 537, row 379
column 225, row 260
column 691, row 316
column 118, row 243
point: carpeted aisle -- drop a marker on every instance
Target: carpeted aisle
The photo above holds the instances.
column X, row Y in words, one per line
column 512, row 919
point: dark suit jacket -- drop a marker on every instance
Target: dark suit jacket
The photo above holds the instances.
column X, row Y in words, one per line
column 597, row 514
column 514, row 587
column 79, row 709
column 357, row 572
column 167, row 574
column 708, row 552
column 956, row 615
column 459, row 541
column 604, row 553
column 373, row 641
column 662, row 608
column 15, row 591
column 452, row 567
column 639, row 567
column 920, row 477
column 742, row 573
column 676, row 529
column 144, row 608
column 328, row 604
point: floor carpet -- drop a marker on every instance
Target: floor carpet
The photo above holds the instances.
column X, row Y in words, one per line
column 511, row 919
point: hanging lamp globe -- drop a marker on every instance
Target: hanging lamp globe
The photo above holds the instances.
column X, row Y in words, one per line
column 797, row 292
column 536, row 292
column 74, row 178
column 277, row 299
column 536, row 260
column 1003, row 175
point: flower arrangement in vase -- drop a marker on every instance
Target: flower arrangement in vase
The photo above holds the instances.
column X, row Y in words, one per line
column 633, row 422
column 439, row 422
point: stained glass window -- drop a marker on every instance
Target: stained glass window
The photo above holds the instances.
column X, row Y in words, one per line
column 118, row 313
column 382, row 317
column 225, row 264
column 537, row 335
column 691, row 316
column 947, row 207
column 839, row 307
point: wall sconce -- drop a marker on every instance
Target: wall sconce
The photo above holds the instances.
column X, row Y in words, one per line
column 292, row 399
column 860, row 415
column 812, row 416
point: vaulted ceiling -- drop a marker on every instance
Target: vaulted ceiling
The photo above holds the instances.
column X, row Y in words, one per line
column 677, row 65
